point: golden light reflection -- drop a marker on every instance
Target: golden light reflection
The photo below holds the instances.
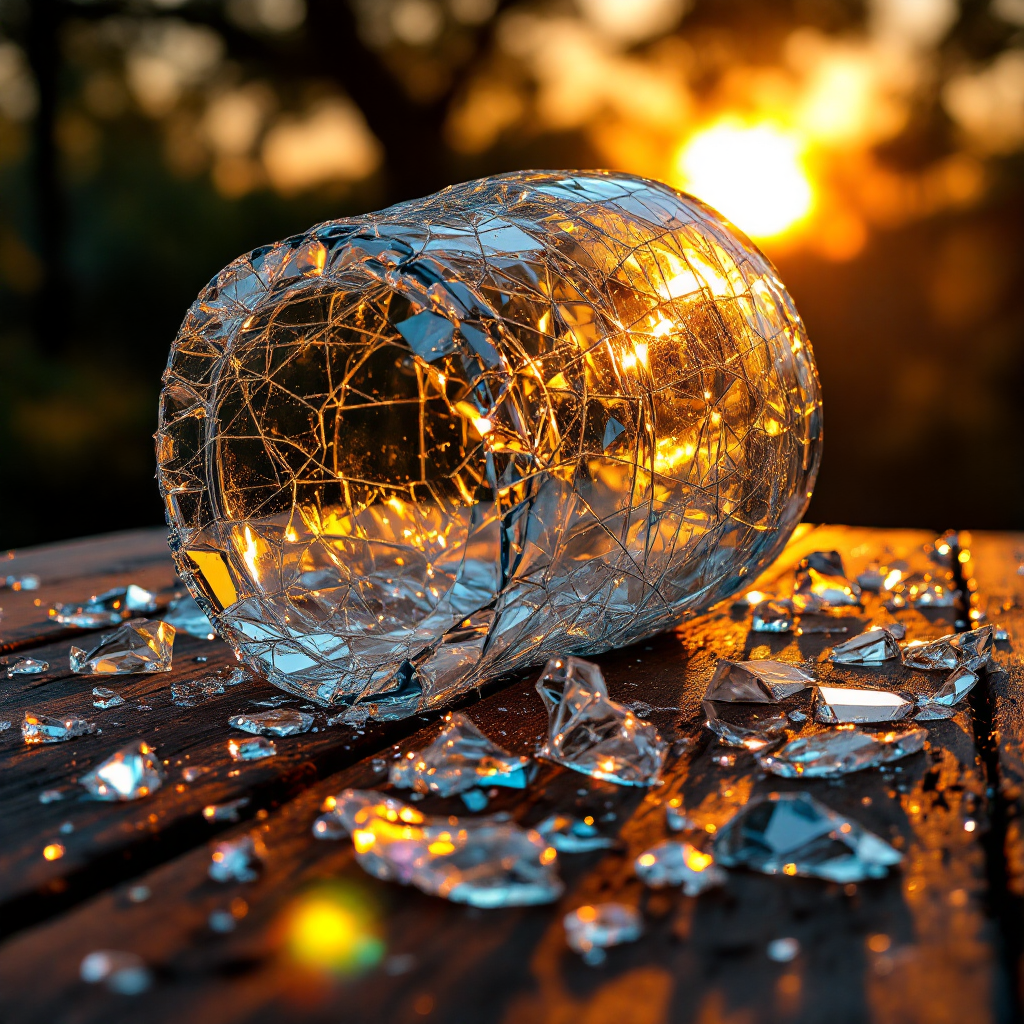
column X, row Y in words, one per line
column 333, row 928
column 755, row 174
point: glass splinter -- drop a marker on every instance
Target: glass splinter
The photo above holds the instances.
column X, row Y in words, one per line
column 405, row 452
column 759, row 682
column 276, row 722
column 840, row 752
column 140, row 645
column 460, row 758
column 871, row 647
column 130, row 774
column 834, row 705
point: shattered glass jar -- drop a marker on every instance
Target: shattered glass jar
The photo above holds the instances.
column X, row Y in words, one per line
column 540, row 414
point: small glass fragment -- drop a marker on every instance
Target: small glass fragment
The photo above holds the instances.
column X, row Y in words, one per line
column 50, row 796
column 835, row 705
column 37, row 728
column 193, row 692
column 672, row 863
column 276, row 722
column 972, row 650
column 815, row 625
column 783, row 951
column 475, row 800
column 192, row 772
column 29, row 581
column 1000, row 634
column 821, row 575
column 928, row 711
column 26, row 667
column 724, row 760
column 957, row 685
column 796, row 716
column 484, row 862
column 107, row 609
column 4, row 725
column 124, row 973
column 592, row 734
column 794, row 834
column 757, row 731
column 590, row 930
column 103, row 698
column 237, row 860
column 130, row 774
column 329, row 826
column 758, row 682
column 839, row 752
column 140, row 645
column 255, row 749
column 187, row 617
column 872, row 578
column 871, row 647
column 228, row 811
column 773, row 616
column 460, row 758
column 572, row 835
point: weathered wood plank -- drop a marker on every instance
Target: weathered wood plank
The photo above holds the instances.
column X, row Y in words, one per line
column 914, row 947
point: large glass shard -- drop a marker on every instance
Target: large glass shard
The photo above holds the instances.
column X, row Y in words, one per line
column 590, row 930
column 835, row 705
column 759, row 682
column 141, row 645
column 275, row 722
column 483, row 862
column 107, row 609
column 956, row 686
column 840, row 752
column 672, row 863
column 794, row 834
column 592, row 734
column 753, row 730
column 187, row 617
column 871, row 647
column 575, row 408
column 37, row 728
column 460, row 758
column 972, row 650
column 130, row 774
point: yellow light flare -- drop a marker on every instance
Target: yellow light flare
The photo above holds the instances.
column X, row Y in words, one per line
column 54, row 851
column 696, row 860
column 754, row 174
column 334, row 930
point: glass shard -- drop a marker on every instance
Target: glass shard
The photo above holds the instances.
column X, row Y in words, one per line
column 773, row 617
column 37, row 728
column 460, row 758
column 590, row 930
column 835, row 705
column 759, row 682
column 484, row 862
column 123, row 973
column 672, row 863
column 820, row 575
column 752, row 730
column 928, row 711
column 957, row 685
column 130, row 774
column 794, row 834
column 829, row 563
column 868, row 648
column 237, row 860
column 193, row 692
column 26, row 667
column 551, row 463
column 972, row 650
column 572, row 835
column 187, row 617
column 140, row 645
column 230, row 810
column 251, row 750
column 103, row 698
column 592, row 734
column 840, row 752
column 275, row 722
column 107, row 609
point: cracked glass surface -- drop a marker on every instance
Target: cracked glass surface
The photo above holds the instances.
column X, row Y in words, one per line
column 535, row 414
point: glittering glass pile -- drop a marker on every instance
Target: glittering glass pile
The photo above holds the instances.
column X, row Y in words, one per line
column 533, row 415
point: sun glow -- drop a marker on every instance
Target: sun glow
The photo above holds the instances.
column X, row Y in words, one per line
column 752, row 173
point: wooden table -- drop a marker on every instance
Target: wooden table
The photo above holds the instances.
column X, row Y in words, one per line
column 939, row 940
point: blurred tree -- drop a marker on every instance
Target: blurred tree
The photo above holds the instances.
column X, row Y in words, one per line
column 872, row 149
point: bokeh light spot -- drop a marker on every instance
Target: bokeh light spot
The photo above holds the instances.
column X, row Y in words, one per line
column 334, row 929
column 754, row 174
